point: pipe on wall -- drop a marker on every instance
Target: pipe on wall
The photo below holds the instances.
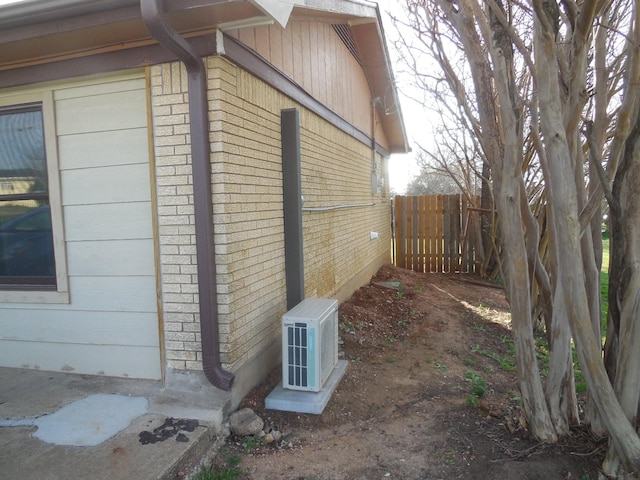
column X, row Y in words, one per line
column 160, row 30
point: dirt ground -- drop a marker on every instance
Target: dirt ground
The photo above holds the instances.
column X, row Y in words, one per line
column 430, row 393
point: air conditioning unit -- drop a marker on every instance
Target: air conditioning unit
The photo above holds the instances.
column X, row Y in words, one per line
column 309, row 344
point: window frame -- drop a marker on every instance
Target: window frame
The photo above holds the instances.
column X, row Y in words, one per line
column 13, row 294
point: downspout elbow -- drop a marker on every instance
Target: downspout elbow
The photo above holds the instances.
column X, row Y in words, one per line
column 160, row 30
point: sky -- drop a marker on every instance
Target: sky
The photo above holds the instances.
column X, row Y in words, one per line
column 402, row 167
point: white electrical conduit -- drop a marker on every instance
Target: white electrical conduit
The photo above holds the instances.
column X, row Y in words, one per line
column 336, row 207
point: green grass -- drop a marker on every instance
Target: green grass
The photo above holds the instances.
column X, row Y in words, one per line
column 542, row 347
column 604, row 282
column 478, row 387
column 231, row 471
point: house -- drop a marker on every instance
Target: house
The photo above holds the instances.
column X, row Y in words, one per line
column 197, row 168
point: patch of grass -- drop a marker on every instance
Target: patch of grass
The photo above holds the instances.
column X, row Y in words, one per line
column 479, row 327
column 251, row 443
column 507, row 363
column 231, row 471
column 604, row 282
column 478, row 384
column 478, row 387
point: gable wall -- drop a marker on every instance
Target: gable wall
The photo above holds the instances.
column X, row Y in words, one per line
column 248, row 214
column 314, row 57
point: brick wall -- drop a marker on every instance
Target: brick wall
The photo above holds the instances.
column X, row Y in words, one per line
column 244, row 115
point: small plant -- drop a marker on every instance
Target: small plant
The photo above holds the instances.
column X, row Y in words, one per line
column 390, row 359
column 231, row 471
column 472, row 401
column 439, row 366
column 469, row 362
column 399, row 294
column 506, row 363
column 449, row 459
column 392, row 339
column 356, row 360
column 478, row 388
column 251, row 443
column 403, row 323
column 479, row 327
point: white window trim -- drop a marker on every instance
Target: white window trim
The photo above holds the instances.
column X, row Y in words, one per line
column 61, row 294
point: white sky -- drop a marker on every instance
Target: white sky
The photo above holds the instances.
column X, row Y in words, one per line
column 402, row 167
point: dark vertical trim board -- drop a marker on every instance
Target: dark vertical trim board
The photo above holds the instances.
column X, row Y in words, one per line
column 292, row 205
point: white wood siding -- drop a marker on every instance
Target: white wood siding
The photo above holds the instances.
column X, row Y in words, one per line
column 110, row 326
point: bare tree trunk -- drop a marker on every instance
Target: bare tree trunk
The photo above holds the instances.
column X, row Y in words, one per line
column 571, row 282
column 627, row 247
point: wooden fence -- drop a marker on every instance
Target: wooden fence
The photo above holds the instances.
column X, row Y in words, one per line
column 431, row 234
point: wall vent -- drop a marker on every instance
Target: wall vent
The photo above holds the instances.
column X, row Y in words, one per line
column 344, row 32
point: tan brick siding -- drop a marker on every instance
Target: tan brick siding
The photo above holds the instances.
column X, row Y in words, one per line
column 244, row 115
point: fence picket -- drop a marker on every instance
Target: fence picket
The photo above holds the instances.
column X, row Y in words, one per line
column 432, row 234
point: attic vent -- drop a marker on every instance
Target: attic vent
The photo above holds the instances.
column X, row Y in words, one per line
column 344, row 32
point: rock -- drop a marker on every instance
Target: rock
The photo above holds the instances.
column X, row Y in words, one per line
column 225, row 430
column 269, row 438
column 276, row 435
column 245, row 422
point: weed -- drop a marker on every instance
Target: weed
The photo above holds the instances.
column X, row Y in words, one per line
column 356, row 360
column 450, row 458
column 413, row 313
column 469, row 362
column 403, row 323
column 231, row 471
column 392, row 340
column 478, row 388
column 478, row 385
column 399, row 294
column 439, row 366
column 506, row 363
column 472, row 401
column 251, row 443
column 479, row 327
column 390, row 359
column 349, row 327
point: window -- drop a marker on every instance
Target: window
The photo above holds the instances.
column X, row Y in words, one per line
column 31, row 260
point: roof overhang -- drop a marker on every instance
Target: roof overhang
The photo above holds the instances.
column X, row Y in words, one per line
column 34, row 32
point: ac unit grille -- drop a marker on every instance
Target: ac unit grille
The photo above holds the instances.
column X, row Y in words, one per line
column 298, row 358
column 309, row 344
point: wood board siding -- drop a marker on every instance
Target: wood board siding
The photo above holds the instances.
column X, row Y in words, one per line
column 314, row 57
column 110, row 326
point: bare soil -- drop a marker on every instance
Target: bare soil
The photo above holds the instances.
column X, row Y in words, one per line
column 406, row 408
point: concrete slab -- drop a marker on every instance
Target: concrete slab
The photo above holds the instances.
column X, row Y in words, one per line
column 306, row 402
column 151, row 431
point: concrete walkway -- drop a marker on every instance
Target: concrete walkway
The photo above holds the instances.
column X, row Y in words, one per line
column 57, row 426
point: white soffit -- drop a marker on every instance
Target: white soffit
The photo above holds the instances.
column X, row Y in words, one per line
column 279, row 10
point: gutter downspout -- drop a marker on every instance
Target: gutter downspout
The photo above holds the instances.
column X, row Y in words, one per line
column 160, row 30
